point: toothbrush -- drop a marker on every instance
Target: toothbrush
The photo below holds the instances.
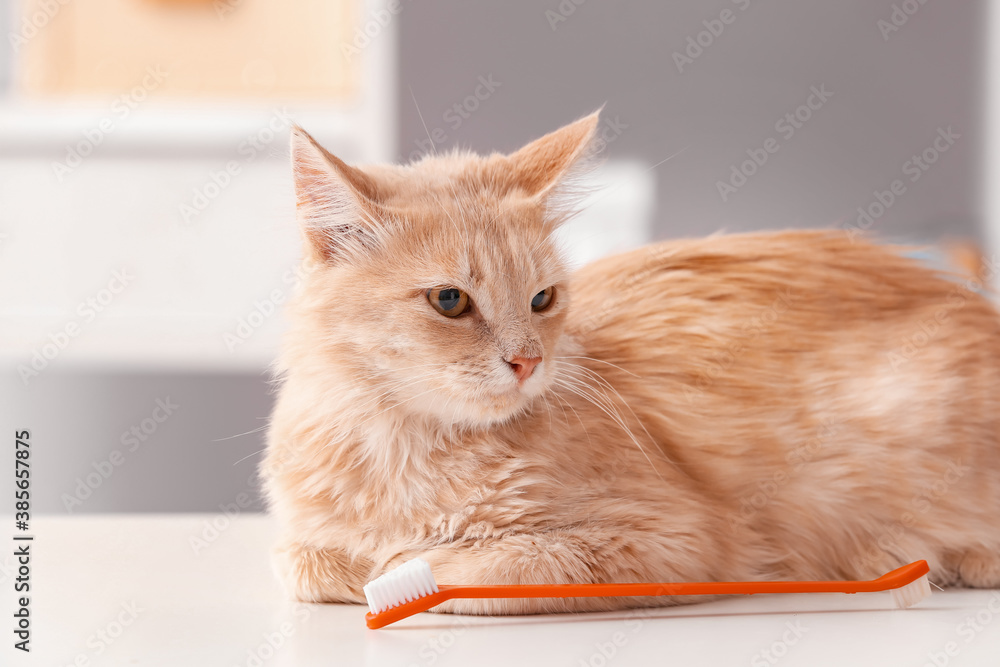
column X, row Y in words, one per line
column 410, row 589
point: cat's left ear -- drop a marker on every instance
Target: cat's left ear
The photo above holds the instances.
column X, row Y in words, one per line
column 541, row 167
column 337, row 204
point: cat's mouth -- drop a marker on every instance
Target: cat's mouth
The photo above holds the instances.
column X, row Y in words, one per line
column 500, row 398
column 480, row 400
column 506, row 402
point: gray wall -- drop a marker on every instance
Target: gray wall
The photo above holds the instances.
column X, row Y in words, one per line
column 184, row 442
column 889, row 98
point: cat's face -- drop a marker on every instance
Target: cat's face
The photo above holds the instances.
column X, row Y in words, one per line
column 439, row 284
column 458, row 367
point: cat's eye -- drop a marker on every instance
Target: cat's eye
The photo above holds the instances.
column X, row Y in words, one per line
column 449, row 301
column 543, row 299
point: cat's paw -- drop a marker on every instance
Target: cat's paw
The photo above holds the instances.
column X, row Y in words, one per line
column 312, row 574
column 980, row 568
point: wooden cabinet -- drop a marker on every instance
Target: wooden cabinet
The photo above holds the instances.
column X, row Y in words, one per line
column 295, row 49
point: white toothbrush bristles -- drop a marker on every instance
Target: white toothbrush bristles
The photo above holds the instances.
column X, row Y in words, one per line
column 912, row 593
column 409, row 581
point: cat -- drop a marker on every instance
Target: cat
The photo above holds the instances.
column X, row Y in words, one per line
column 790, row 405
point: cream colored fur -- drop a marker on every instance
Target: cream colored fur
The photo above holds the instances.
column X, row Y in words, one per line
column 797, row 405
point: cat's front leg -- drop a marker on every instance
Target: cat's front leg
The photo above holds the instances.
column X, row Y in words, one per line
column 562, row 557
column 315, row 574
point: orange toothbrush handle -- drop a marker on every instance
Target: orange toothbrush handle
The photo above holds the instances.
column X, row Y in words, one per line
column 895, row 579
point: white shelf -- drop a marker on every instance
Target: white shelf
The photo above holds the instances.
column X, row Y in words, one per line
column 28, row 129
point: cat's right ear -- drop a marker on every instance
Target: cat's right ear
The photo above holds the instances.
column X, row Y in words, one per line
column 337, row 205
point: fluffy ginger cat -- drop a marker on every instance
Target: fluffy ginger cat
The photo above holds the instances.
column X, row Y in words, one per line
column 796, row 405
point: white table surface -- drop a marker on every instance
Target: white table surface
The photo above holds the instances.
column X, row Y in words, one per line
column 137, row 578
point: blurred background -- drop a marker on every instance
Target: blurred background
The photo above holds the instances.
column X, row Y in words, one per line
column 147, row 239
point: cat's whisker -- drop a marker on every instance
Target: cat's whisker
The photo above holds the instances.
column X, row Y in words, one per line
column 609, row 411
column 594, row 396
column 561, row 407
column 604, row 382
column 539, row 243
column 545, row 400
column 421, row 116
column 615, row 417
column 386, row 389
column 240, row 435
column 566, row 367
column 392, row 387
column 444, row 209
column 454, row 419
column 608, row 191
column 548, row 408
column 460, row 202
column 613, row 414
column 601, row 361
column 396, row 405
column 385, row 397
column 382, row 372
column 578, row 418
column 249, row 455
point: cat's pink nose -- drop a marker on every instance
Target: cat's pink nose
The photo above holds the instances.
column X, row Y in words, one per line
column 523, row 367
